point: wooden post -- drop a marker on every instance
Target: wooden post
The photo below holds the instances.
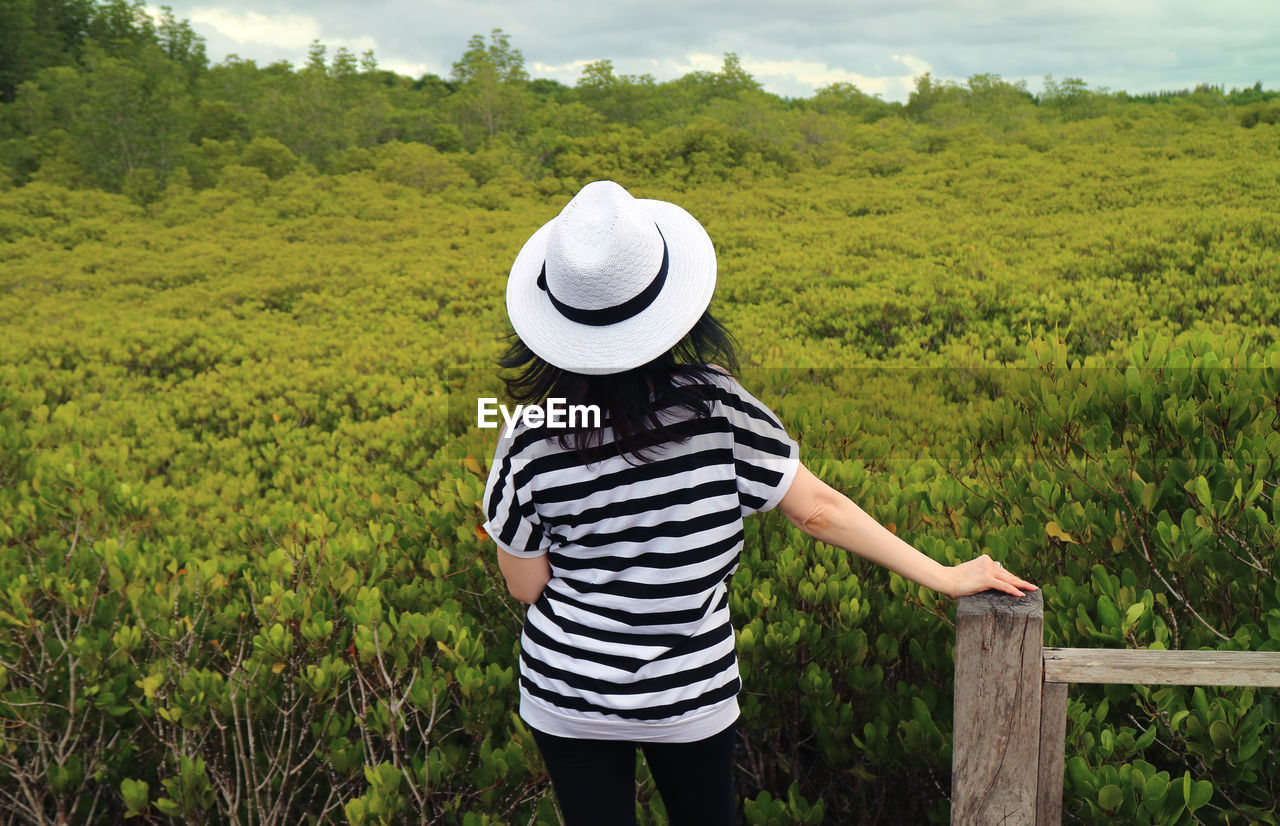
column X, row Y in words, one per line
column 1053, row 758
column 996, row 746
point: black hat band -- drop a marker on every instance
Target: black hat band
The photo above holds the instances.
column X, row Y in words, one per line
column 620, row 312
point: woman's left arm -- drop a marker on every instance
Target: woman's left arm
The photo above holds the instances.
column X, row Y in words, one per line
column 525, row 576
column 829, row 516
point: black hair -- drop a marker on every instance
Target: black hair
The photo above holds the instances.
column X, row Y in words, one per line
column 629, row 401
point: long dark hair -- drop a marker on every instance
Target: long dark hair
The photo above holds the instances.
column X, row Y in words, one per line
column 629, row 401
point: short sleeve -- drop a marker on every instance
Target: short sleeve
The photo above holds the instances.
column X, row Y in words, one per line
column 510, row 517
column 766, row 458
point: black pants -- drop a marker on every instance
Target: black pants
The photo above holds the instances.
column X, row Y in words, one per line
column 595, row 780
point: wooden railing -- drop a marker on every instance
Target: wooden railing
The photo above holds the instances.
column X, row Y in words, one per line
column 1011, row 703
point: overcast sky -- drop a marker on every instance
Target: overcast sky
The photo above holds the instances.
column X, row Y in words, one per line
column 881, row 46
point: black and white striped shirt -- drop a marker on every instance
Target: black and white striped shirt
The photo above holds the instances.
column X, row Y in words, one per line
column 631, row 639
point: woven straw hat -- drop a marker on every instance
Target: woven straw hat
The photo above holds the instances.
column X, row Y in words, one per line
column 612, row 282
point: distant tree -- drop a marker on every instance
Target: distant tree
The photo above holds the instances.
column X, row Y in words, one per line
column 1072, row 99
column 121, row 28
column 732, row 78
column 499, row 59
column 845, row 97
column 220, row 121
column 597, row 77
column 234, row 80
column 37, row 34
column 344, row 64
column 419, row 110
column 1256, row 113
column 270, row 156
column 929, row 92
column 992, row 92
column 690, row 94
column 435, row 86
column 316, row 57
column 1209, row 95
column 984, row 99
column 417, row 166
column 493, row 93
column 627, row 99
column 1251, row 95
column 118, row 115
column 182, row 44
column 546, row 90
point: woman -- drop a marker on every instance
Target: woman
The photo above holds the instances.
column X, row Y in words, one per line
column 623, row 537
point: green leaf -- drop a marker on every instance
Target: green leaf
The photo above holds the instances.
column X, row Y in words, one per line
column 1055, row 532
column 1201, row 793
column 1108, row 614
column 1134, row 614
column 1248, row 746
column 136, row 794
column 1155, row 787
column 1203, row 494
column 465, row 493
column 1200, row 702
column 1080, row 775
column 1221, row 735
column 1148, row 497
column 1110, row 797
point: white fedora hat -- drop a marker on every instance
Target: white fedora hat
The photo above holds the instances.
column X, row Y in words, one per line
column 612, row 282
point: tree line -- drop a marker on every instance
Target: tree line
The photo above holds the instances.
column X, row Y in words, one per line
column 98, row 94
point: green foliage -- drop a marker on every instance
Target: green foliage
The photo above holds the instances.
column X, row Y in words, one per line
column 117, row 116
column 38, row 35
column 764, row 810
column 1072, row 99
column 270, row 156
column 849, row 99
column 492, row 92
column 239, row 484
column 417, row 166
column 1157, row 478
column 139, row 94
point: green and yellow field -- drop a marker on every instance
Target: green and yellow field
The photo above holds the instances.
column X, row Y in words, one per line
column 242, row 577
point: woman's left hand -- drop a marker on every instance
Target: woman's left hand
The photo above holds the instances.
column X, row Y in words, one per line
column 982, row 574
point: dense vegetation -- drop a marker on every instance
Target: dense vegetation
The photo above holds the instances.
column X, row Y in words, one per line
column 246, row 312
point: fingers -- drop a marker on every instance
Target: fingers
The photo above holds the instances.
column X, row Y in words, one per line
column 1016, row 581
column 1009, row 583
column 1004, row 580
column 983, row 573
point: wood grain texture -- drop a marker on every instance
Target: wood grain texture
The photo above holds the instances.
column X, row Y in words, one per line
column 1146, row 667
column 1053, row 744
column 996, row 747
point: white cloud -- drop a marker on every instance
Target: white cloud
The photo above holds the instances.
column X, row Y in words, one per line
column 566, row 73
column 293, row 32
column 409, row 69
column 811, row 75
column 786, row 77
column 284, row 31
column 803, row 77
column 914, row 64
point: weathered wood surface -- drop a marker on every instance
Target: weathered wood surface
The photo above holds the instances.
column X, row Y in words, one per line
column 1053, row 744
column 1147, row 667
column 996, row 746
